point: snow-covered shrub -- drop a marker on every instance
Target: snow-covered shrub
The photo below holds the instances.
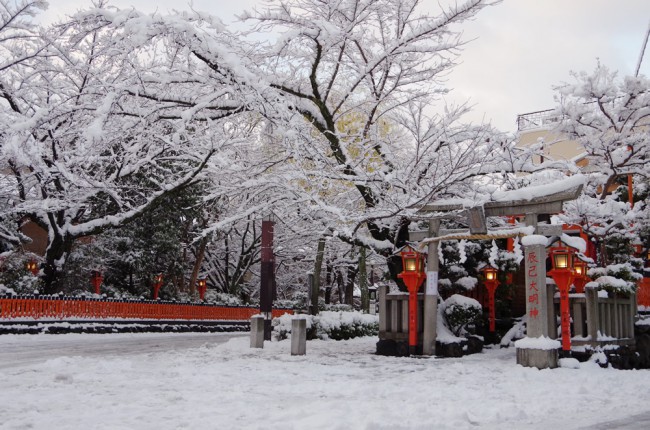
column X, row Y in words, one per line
column 467, row 282
column 461, row 312
column 14, row 276
column 615, row 278
column 330, row 325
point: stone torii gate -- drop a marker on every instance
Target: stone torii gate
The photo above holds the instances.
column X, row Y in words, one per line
column 531, row 202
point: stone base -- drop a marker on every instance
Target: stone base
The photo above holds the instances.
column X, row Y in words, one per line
column 539, row 358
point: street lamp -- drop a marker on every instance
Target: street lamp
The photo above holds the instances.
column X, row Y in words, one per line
column 562, row 273
column 32, row 266
column 202, row 285
column 580, row 274
column 491, row 283
column 412, row 275
column 96, row 278
column 157, row 283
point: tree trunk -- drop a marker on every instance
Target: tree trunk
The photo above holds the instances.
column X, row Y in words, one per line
column 198, row 261
column 318, row 265
column 328, row 282
column 363, row 281
column 57, row 251
column 339, row 284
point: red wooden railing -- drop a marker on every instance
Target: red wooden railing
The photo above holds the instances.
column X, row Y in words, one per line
column 67, row 307
column 643, row 293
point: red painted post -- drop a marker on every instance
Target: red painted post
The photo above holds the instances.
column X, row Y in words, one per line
column 412, row 275
column 562, row 273
column 202, row 286
column 97, row 279
column 157, row 283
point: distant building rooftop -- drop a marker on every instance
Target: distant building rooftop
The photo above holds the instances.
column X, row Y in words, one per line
column 539, row 119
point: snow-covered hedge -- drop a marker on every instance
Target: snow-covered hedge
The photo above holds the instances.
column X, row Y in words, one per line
column 330, row 325
column 616, row 278
column 460, row 312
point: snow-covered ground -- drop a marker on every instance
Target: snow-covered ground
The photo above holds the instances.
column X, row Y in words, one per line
column 157, row 381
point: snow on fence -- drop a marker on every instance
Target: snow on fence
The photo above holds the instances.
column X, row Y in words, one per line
column 56, row 307
column 601, row 319
column 394, row 316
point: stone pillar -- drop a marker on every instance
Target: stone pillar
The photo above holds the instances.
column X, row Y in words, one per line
column 383, row 314
column 536, row 291
column 431, row 293
column 257, row 331
column 298, row 336
column 593, row 316
column 535, row 350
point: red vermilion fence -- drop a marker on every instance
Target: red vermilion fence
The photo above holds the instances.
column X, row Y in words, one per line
column 643, row 293
column 65, row 307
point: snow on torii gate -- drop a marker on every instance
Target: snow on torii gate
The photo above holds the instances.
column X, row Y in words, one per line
column 529, row 202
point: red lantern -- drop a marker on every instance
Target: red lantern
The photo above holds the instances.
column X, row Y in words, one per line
column 202, row 286
column 96, row 278
column 412, row 275
column 491, row 284
column 579, row 274
column 563, row 275
column 32, row 266
column 157, row 283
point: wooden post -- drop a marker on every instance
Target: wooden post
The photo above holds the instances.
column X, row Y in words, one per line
column 431, row 293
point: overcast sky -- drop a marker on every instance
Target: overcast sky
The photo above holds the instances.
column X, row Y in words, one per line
column 519, row 50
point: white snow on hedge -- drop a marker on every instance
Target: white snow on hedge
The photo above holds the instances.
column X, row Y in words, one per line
column 467, row 282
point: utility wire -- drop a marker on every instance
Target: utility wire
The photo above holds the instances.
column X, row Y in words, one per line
column 645, row 42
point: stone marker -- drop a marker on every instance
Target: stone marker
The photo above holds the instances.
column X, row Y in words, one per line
column 257, row 331
column 298, row 336
column 536, row 351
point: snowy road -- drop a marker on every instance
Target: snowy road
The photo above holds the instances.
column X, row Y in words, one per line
column 209, row 381
column 23, row 350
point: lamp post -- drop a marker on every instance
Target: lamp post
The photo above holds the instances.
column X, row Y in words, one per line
column 96, row 278
column 32, row 266
column 491, row 283
column 562, row 273
column 202, row 285
column 412, row 275
column 580, row 274
column 157, row 283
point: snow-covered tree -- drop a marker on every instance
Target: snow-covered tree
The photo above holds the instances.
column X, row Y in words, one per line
column 100, row 127
column 358, row 80
column 609, row 117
